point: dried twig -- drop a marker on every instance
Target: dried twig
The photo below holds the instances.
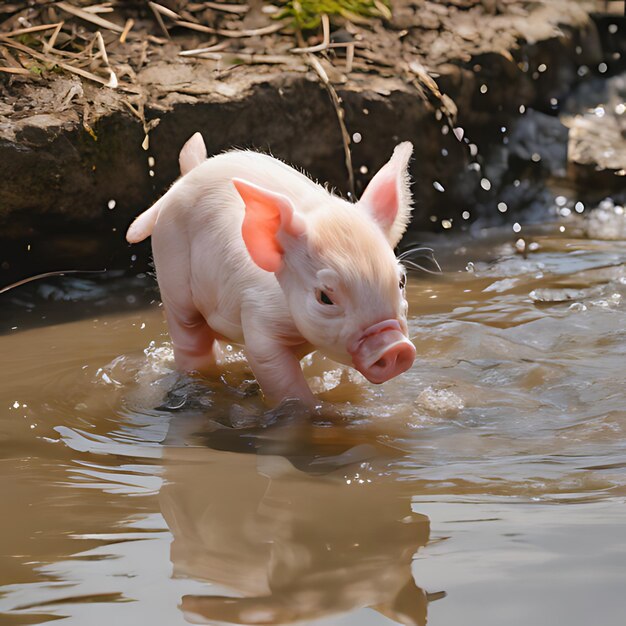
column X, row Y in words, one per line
column 66, row 66
column 325, row 40
column 265, row 30
column 112, row 77
column 127, row 28
column 227, row 8
column 197, row 51
column 89, row 17
column 321, row 72
column 49, row 45
column 31, row 29
column 16, row 70
column 159, row 10
column 100, row 8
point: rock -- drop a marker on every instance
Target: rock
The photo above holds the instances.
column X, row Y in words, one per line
column 607, row 221
column 541, row 139
column 596, row 117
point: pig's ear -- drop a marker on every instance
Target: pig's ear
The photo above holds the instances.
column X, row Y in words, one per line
column 270, row 219
column 388, row 198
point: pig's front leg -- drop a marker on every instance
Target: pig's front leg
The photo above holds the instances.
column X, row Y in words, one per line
column 276, row 367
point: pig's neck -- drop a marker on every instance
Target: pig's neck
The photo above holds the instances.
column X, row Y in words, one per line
column 271, row 315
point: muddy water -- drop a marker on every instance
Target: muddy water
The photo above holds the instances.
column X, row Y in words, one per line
column 486, row 486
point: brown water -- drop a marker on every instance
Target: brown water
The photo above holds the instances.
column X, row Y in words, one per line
column 494, row 471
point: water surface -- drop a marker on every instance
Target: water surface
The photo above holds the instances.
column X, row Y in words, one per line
column 485, row 486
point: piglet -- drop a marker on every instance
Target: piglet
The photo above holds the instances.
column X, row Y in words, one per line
column 251, row 251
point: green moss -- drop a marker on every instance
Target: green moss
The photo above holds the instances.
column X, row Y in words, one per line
column 307, row 13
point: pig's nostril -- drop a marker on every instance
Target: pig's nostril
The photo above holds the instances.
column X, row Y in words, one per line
column 381, row 363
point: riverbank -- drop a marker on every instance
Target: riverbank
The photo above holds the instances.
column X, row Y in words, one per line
column 80, row 159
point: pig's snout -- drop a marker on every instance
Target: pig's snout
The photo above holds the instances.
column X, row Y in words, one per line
column 382, row 352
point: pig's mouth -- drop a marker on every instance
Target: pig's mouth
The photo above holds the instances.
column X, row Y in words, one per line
column 382, row 352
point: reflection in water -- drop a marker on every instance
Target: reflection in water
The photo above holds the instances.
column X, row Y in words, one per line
column 291, row 545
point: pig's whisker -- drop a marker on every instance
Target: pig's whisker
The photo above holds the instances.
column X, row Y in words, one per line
column 408, row 259
column 410, row 265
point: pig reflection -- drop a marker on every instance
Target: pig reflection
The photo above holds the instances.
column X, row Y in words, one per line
column 250, row 250
column 284, row 546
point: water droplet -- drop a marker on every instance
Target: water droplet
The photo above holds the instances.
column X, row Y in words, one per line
column 522, row 109
column 502, row 207
column 517, row 227
column 542, row 68
column 473, row 148
column 111, row 204
column 438, row 186
column 151, row 173
column 357, row 137
column 459, row 133
column 612, row 28
column 620, row 109
column 599, row 111
column 444, row 152
column 363, row 169
column 465, row 215
column 536, row 157
column 560, row 200
column 483, row 88
column 151, row 161
column 446, row 224
column 583, row 70
column 602, row 68
column 565, row 211
column 554, row 102
column 433, row 218
column 445, row 130
column 485, row 183
column 562, row 229
column 579, row 207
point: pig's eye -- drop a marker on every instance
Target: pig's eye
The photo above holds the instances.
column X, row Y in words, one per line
column 322, row 298
column 402, row 281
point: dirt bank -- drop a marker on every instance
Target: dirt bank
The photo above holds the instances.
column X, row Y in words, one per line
column 79, row 159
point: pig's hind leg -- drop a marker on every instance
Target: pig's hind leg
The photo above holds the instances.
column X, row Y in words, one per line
column 194, row 342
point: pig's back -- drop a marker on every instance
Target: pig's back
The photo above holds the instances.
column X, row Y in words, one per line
column 206, row 207
column 263, row 170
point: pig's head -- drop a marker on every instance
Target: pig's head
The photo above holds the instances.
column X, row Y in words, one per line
column 336, row 266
